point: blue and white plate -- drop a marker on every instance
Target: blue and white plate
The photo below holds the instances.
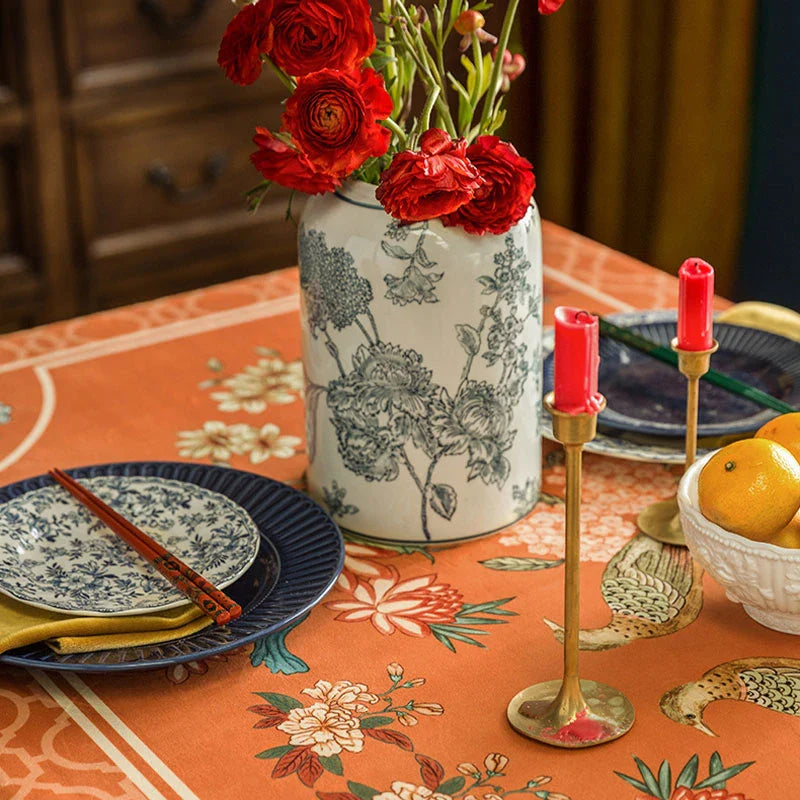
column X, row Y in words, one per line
column 55, row 554
column 648, row 397
column 300, row 554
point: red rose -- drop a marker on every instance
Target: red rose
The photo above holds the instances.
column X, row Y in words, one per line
column 278, row 162
column 333, row 116
column 427, row 184
column 248, row 35
column 550, row 6
column 311, row 35
column 506, row 194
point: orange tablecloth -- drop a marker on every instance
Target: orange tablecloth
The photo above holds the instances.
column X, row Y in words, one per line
column 145, row 382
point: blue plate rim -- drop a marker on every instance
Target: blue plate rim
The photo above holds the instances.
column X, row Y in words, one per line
column 29, row 484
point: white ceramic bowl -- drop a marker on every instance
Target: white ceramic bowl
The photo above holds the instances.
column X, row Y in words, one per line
column 764, row 578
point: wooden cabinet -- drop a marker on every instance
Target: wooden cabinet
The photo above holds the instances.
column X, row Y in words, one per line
column 124, row 157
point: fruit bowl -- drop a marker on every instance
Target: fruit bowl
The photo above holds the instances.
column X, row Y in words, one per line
column 763, row 577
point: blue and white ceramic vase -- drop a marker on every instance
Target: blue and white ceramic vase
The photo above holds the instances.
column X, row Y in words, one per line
column 422, row 354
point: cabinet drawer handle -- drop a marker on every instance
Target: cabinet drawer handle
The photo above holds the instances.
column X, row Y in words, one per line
column 169, row 27
column 161, row 175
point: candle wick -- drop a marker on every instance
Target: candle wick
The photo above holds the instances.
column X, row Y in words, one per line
column 583, row 316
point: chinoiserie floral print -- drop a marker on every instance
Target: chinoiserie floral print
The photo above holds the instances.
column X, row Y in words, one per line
column 270, row 381
column 334, row 719
column 372, row 590
column 486, row 780
column 65, row 549
column 392, row 413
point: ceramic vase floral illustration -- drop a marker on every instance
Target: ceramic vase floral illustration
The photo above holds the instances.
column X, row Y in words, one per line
column 422, row 355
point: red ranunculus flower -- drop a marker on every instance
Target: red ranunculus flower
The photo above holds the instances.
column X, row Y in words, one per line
column 506, row 194
column 333, row 117
column 278, row 162
column 550, row 6
column 424, row 184
column 248, row 35
column 311, row 35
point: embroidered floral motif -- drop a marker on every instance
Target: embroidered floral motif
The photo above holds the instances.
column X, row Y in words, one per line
column 270, row 381
column 343, row 716
column 215, row 439
column 486, row 783
column 265, row 442
column 416, row 606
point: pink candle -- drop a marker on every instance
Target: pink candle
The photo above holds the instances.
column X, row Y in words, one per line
column 695, row 305
column 577, row 359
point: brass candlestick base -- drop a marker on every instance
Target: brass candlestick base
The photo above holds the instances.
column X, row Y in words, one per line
column 571, row 713
column 661, row 521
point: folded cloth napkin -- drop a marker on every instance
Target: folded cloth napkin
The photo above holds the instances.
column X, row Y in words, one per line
column 21, row 624
column 765, row 317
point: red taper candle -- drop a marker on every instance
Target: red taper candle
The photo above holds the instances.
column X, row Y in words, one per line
column 577, row 359
column 695, row 305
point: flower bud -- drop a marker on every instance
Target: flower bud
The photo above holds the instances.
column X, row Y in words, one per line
column 429, row 709
column 414, row 682
column 407, row 719
column 395, row 670
column 469, row 22
column 495, row 762
column 541, row 780
column 468, row 768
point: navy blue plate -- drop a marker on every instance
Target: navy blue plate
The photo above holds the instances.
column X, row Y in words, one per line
column 300, row 556
column 649, row 397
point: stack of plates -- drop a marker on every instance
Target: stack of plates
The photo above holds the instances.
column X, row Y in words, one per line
column 645, row 417
column 271, row 548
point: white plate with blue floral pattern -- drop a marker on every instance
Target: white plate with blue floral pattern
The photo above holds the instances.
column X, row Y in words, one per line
column 56, row 555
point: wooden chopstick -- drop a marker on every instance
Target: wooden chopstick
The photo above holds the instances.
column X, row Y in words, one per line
column 201, row 592
column 669, row 356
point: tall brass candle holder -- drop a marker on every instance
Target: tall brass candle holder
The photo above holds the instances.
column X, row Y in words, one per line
column 571, row 712
column 661, row 521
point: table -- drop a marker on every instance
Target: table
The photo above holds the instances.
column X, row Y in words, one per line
column 134, row 383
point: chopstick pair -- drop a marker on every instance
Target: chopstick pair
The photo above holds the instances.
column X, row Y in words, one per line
column 669, row 356
column 210, row 600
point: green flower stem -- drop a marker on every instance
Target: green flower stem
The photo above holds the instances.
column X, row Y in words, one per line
column 285, row 79
column 392, row 67
column 477, row 55
column 425, row 116
column 420, row 52
column 496, row 80
column 396, row 130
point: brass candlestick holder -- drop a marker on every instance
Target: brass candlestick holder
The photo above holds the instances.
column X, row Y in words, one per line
column 661, row 521
column 571, row 712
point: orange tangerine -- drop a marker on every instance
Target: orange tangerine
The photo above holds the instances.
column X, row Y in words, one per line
column 750, row 487
column 790, row 535
column 784, row 430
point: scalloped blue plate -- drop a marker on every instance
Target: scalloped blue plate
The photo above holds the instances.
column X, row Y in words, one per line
column 646, row 396
column 300, row 555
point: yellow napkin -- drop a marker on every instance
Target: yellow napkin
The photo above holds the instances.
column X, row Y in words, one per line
column 21, row 624
column 765, row 317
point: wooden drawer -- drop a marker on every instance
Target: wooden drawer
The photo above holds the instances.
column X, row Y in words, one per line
column 100, row 36
column 167, row 171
